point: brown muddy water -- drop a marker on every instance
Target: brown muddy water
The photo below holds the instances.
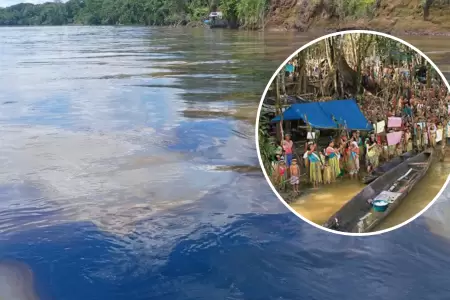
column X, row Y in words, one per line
column 319, row 204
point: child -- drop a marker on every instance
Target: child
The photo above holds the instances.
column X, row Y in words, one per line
column 295, row 175
column 418, row 136
column 424, row 139
column 433, row 130
column 327, row 171
column 355, row 157
column 372, row 155
column 409, row 145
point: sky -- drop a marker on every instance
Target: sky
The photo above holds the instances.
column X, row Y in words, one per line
column 5, row 3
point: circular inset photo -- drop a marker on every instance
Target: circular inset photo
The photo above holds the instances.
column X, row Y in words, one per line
column 352, row 132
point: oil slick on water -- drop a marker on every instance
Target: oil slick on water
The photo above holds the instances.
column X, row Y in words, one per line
column 16, row 282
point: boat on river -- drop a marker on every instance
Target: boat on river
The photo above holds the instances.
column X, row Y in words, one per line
column 377, row 172
column 377, row 200
column 216, row 20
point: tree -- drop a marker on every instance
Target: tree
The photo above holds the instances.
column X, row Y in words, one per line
column 426, row 8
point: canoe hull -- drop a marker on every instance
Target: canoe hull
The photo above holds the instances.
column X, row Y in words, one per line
column 357, row 215
column 377, row 172
column 218, row 23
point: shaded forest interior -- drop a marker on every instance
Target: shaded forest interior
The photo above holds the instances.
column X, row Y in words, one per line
column 353, row 66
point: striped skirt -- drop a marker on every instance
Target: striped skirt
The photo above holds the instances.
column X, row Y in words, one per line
column 335, row 169
column 315, row 172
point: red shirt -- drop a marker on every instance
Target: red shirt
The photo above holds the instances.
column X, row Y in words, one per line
column 287, row 146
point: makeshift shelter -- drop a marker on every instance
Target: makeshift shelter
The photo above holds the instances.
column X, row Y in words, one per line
column 328, row 115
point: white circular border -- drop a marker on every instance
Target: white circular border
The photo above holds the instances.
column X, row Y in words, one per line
column 257, row 131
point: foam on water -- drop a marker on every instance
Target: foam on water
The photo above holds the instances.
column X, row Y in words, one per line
column 16, row 282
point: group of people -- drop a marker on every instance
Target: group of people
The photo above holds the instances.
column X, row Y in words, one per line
column 423, row 108
column 340, row 156
column 345, row 154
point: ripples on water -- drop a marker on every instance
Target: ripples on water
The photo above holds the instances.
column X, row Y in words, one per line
column 109, row 185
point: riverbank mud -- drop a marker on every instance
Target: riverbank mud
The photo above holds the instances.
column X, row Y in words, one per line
column 394, row 16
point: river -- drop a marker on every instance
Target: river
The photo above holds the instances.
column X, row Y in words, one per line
column 119, row 148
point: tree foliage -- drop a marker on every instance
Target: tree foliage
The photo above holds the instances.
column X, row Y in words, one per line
column 247, row 13
column 128, row 12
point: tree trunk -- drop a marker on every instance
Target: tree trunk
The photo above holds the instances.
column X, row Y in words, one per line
column 302, row 74
column 279, row 108
column 340, row 76
column 331, row 59
column 412, row 69
column 426, row 9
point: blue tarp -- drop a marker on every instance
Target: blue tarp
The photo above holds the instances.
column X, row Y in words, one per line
column 320, row 114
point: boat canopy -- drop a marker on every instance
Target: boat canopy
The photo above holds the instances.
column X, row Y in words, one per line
column 217, row 14
column 328, row 115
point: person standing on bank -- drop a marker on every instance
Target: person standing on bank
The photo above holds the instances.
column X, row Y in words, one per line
column 360, row 143
column 333, row 160
column 433, row 131
column 315, row 166
column 288, row 146
column 294, row 170
column 372, row 155
column 418, row 136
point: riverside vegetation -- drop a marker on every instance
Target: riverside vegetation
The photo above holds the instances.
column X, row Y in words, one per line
column 250, row 14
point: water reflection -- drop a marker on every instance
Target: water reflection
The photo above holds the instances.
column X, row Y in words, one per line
column 154, row 109
column 108, row 129
column 102, row 129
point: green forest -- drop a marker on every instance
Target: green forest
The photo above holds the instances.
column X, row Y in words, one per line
column 128, row 12
column 250, row 14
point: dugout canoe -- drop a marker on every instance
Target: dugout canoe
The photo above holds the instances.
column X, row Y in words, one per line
column 377, row 172
column 358, row 214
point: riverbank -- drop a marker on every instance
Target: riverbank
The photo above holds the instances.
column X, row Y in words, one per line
column 393, row 16
column 411, row 26
column 394, row 26
column 318, row 28
column 390, row 26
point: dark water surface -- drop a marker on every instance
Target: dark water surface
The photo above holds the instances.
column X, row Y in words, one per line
column 109, row 180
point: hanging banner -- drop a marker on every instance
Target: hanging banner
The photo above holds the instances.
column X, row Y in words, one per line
column 394, row 138
column 394, row 122
column 439, row 133
column 311, row 136
column 379, row 127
